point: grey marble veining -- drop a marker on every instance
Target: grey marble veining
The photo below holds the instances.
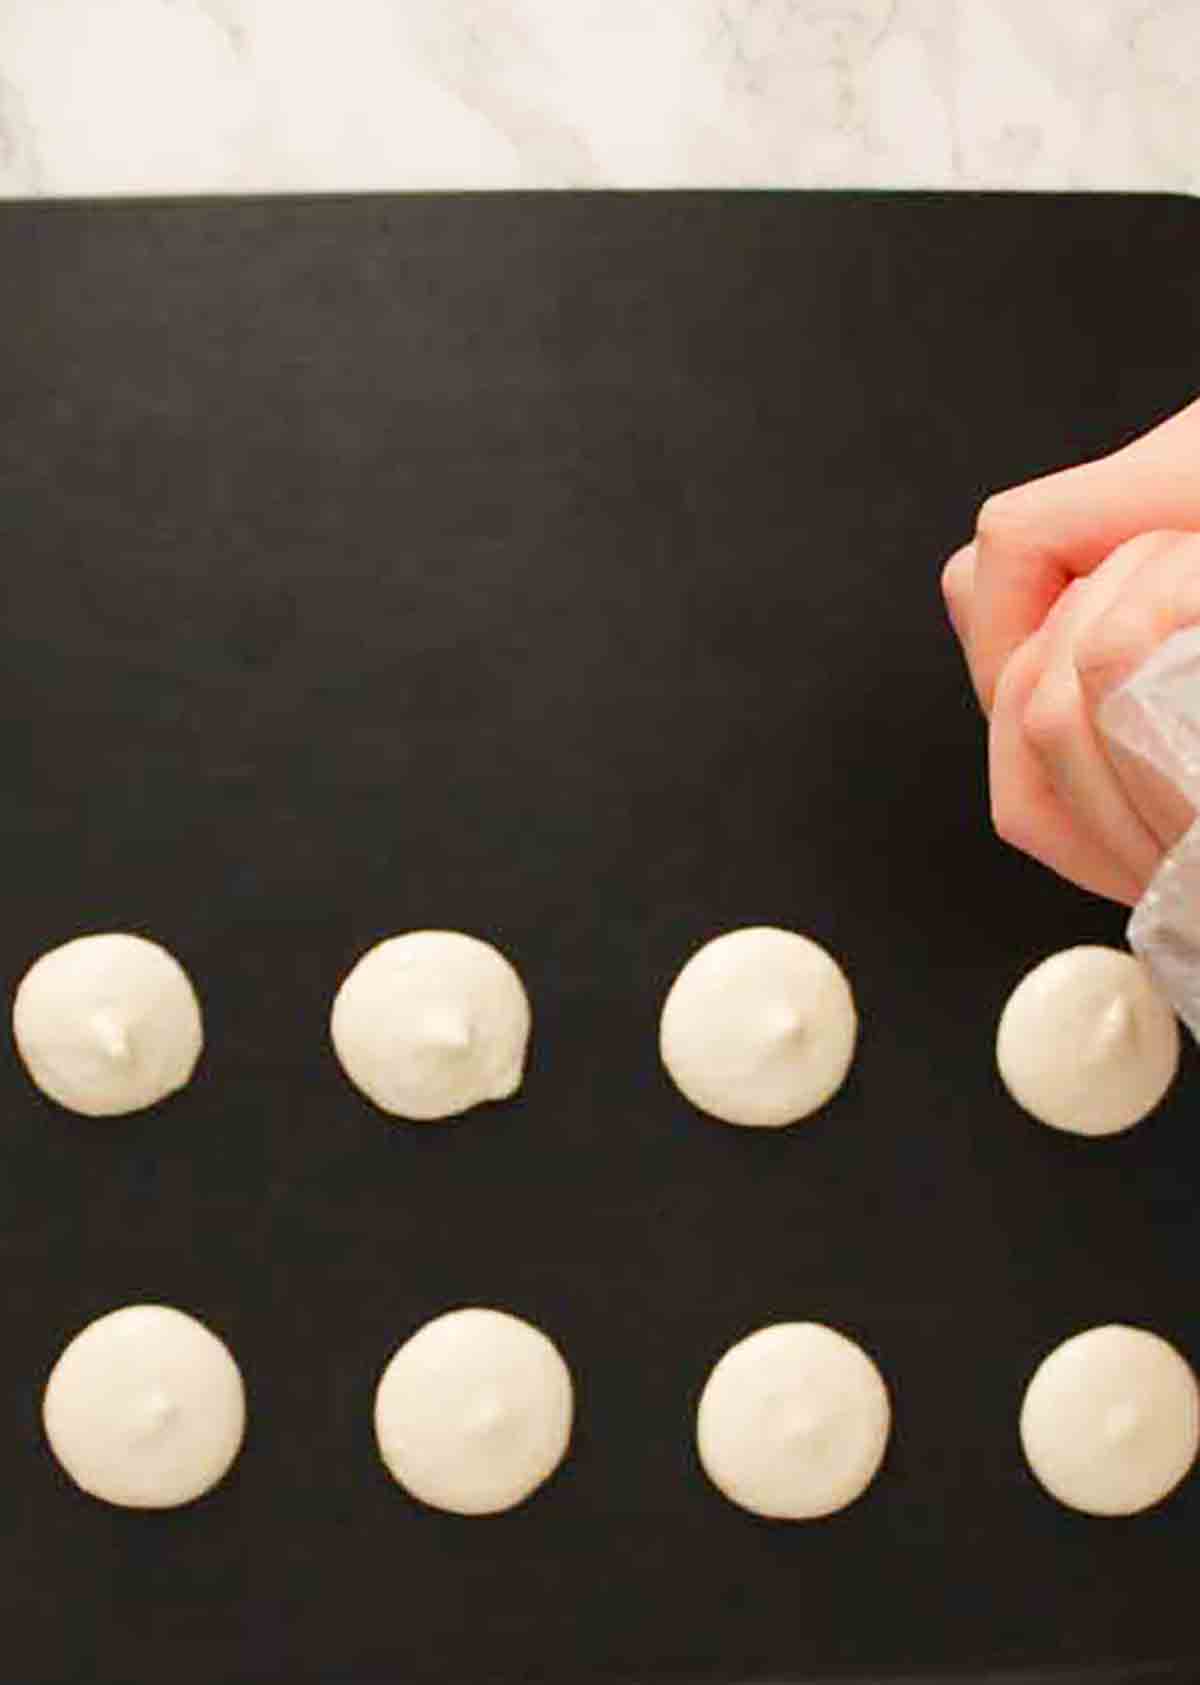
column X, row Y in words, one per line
column 133, row 96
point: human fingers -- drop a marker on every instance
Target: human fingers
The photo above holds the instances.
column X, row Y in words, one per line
column 958, row 586
column 1060, row 729
column 1027, row 809
column 1156, row 600
column 1033, row 539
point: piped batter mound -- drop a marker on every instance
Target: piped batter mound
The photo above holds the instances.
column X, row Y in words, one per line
column 108, row 1024
column 145, row 1408
column 1086, row 1043
column 474, row 1412
column 759, row 1028
column 1111, row 1421
column 793, row 1422
column 430, row 1024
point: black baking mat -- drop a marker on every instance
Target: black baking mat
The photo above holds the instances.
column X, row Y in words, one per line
column 562, row 569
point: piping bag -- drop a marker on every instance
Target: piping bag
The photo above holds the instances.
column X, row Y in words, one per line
column 1156, row 714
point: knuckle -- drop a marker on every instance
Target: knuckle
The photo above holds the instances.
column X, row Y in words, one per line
column 1014, row 680
column 1048, row 718
column 1183, row 608
column 1003, row 518
column 1110, row 648
column 1144, row 547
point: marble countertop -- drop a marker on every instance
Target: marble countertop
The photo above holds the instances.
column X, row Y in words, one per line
column 165, row 96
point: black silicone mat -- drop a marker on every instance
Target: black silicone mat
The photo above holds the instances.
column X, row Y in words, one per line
column 561, row 569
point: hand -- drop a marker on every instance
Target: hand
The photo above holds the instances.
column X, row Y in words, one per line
column 1033, row 540
column 1055, row 604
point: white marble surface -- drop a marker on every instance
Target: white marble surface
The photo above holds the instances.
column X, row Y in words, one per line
column 150, row 96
